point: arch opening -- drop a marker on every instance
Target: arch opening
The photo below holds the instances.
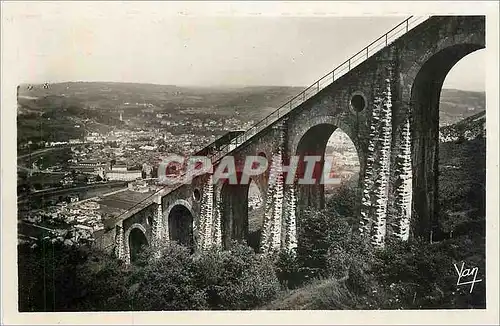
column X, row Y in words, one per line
column 255, row 215
column 242, row 214
column 345, row 167
column 430, row 115
column 332, row 146
column 137, row 243
column 180, row 225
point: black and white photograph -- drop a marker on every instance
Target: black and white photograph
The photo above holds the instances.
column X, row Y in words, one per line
column 202, row 156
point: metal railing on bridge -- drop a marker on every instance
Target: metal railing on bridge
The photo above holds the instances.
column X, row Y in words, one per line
column 321, row 83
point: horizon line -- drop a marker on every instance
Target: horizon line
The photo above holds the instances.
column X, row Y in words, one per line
column 203, row 86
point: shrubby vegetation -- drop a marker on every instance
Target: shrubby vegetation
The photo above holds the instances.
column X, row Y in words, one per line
column 54, row 277
column 336, row 269
column 332, row 269
column 57, row 278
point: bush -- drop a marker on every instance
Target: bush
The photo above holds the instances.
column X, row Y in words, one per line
column 327, row 246
column 350, row 259
column 316, row 232
column 233, row 279
column 416, row 275
column 166, row 283
column 236, row 279
column 54, row 277
column 288, row 269
column 343, row 201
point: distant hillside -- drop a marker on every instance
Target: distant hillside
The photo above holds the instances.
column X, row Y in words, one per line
column 121, row 95
column 456, row 105
column 469, row 128
column 94, row 105
column 255, row 101
column 462, row 174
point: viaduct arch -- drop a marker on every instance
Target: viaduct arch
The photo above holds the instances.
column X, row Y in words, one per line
column 423, row 93
column 137, row 240
column 179, row 223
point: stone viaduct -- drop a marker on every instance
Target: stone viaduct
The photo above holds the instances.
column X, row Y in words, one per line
column 385, row 98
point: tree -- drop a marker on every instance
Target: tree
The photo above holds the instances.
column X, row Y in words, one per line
column 166, row 283
column 56, row 277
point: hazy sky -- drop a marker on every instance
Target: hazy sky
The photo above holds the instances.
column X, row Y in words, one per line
column 125, row 43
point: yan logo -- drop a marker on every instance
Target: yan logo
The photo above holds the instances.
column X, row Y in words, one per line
column 467, row 276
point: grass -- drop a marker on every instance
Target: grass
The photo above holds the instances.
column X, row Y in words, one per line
column 321, row 294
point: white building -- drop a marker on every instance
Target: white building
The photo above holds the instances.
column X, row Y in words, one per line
column 124, row 175
column 119, row 168
column 148, row 148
